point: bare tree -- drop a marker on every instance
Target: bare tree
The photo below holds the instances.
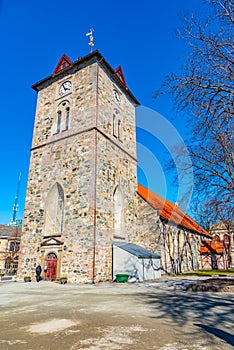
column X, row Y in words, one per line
column 204, row 89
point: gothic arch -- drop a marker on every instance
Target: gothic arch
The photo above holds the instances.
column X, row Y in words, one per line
column 62, row 104
column 118, row 214
column 117, row 124
column 51, row 255
column 54, row 210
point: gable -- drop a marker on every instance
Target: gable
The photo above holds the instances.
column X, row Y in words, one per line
column 119, row 74
column 64, row 63
column 51, row 241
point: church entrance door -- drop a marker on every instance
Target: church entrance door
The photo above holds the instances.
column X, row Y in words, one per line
column 51, row 263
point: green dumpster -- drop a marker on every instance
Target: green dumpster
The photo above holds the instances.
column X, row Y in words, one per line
column 121, row 277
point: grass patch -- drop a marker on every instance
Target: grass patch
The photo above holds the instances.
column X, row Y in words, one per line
column 208, row 272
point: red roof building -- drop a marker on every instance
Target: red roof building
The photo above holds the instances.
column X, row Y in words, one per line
column 171, row 212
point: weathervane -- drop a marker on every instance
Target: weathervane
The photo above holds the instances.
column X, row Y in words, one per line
column 90, row 34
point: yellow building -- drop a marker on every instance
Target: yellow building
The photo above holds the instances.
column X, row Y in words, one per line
column 9, row 249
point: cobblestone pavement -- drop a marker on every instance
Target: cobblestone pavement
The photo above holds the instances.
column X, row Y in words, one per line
column 141, row 316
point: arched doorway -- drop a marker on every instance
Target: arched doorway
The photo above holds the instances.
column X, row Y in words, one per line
column 51, row 263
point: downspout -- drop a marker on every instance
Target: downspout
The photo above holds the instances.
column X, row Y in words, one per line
column 95, row 178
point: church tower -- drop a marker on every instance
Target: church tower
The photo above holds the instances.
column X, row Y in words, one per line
column 82, row 180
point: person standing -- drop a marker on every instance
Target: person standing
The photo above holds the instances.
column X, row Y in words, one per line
column 38, row 273
column 45, row 271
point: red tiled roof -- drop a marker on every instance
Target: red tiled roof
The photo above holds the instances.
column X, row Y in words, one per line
column 171, row 212
column 209, row 247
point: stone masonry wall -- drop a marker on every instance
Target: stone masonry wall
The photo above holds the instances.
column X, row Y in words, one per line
column 82, row 102
column 72, row 168
column 116, row 168
column 66, row 158
column 178, row 247
column 93, row 165
column 88, row 165
column 124, row 110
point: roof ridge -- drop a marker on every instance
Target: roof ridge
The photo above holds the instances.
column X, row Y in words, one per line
column 170, row 211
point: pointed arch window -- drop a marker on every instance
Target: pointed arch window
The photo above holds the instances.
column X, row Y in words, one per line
column 54, row 210
column 115, row 131
column 63, row 117
column 117, row 125
column 119, row 130
column 67, row 118
column 59, row 115
column 118, row 217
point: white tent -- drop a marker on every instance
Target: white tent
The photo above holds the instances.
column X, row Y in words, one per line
column 137, row 262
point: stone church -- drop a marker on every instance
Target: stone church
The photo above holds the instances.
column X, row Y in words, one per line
column 84, row 208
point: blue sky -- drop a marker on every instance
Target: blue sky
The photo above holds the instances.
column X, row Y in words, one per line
column 138, row 35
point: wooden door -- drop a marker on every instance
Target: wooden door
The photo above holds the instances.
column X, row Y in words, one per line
column 51, row 264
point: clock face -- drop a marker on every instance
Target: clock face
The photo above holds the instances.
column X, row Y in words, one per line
column 116, row 96
column 65, row 88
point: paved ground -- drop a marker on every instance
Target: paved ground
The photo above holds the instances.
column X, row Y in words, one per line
column 116, row 316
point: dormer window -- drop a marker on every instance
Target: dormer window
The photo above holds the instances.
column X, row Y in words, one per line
column 64, row 62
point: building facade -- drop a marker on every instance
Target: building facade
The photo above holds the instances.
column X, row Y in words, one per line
column 82, row 191
column 219, row 254
column 9, row 249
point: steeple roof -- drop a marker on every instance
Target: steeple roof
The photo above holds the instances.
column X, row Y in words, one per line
column 66, row 66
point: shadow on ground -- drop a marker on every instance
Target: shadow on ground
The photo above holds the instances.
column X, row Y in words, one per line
column 227, row 337
column 210, row 313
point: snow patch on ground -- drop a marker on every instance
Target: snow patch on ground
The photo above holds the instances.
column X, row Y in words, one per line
column 176, row 346
column 12, row 342
column 113, row 338
column 52, row 326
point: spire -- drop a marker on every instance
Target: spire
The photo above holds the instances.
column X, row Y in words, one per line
column 91, row 43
